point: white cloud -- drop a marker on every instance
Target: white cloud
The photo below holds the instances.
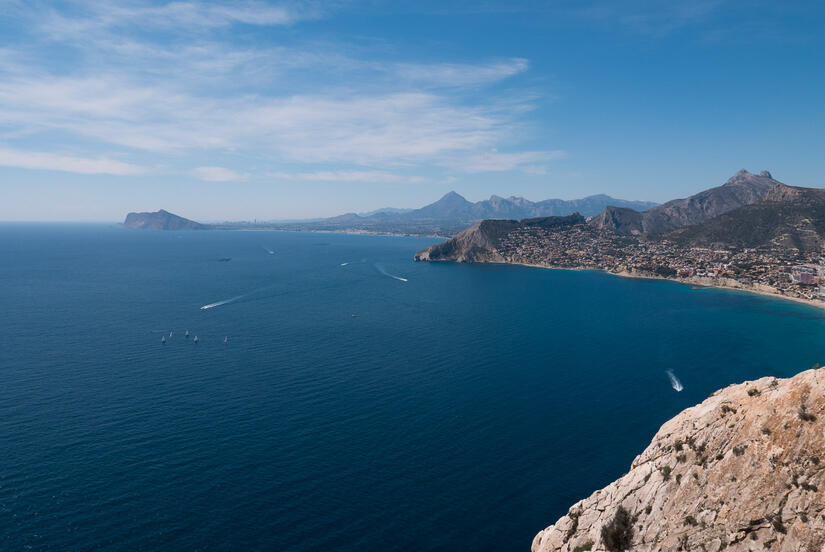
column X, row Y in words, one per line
column 198, row 95
column 495, row 161
column 52, row 162
column 455, row 74
column 349, row 176
column 217, row 174
column 180, row 17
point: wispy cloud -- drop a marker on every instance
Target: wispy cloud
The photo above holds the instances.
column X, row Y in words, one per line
column 217, row 174
column 651, row 17
column 495, row 161
column 349, row 176
column 131, row 94
column 53, row 162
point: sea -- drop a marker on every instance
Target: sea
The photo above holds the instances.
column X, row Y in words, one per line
column 340, row 396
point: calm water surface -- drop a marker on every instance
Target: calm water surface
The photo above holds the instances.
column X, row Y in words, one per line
column 465, row 408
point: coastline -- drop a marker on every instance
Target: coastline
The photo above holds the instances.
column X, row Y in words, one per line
column 696, row 281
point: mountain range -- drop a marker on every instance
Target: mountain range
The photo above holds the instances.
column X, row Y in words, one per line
column 448, row 215
column 453, row 212
column 748, row 211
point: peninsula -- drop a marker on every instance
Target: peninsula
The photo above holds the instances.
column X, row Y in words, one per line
column 753, row 233
column 743, row 470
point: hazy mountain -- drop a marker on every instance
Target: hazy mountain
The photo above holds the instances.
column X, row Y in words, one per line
column 743, row 188
column 161, row 220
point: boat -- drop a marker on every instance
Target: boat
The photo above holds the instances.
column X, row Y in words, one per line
column 226, row 339
column 170, row 333
column 163, row 339
column 186, row 335
column 196, row 339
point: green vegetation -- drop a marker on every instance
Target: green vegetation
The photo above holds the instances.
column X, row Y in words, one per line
column 584, row 547
column 617, row 535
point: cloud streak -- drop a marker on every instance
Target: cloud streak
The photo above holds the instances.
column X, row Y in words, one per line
column 53, row 162
column 134, row 94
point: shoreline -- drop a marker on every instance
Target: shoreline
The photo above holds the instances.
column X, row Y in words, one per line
column 694, row 281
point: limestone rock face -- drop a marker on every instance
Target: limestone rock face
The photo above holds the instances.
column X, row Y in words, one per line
column 743, row 470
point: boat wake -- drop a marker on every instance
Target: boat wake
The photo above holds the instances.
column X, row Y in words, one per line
column 674, row 381
column 385, row 273
column 268, row 250
column 224, row 302
column 344, row 264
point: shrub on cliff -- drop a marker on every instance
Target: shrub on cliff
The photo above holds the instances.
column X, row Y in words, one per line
column 617, row 535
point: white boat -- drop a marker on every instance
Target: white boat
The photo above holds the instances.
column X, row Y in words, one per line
column 196, row 339
column 163, row 339
column 186, row 334
column 226, row 339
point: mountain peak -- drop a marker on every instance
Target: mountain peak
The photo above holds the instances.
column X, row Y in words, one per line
column 743, row 176
column 452, row 195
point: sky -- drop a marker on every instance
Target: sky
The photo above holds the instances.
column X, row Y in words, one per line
column 276, row 110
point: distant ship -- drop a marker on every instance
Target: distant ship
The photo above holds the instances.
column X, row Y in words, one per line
column 170, row 333
column 226, row 339
column 186, row 335
column 196, row 339
column 163, row 339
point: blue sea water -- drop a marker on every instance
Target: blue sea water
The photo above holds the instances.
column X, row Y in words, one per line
column 464, row 408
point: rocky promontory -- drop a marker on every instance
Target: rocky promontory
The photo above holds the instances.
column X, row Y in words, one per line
column 743, row 470
column 162, row 220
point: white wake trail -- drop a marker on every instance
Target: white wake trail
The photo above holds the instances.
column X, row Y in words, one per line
column 674, row 381
column 385, row 273
column 224, row 302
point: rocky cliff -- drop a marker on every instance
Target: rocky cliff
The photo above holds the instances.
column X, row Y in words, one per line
column 161, row 220
column 743, row 470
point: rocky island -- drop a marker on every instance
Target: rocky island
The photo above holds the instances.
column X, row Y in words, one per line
column 743, row 470
column 752, row 233
column 162, row 220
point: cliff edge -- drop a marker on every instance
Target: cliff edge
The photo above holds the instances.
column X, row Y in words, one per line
column 743, row 470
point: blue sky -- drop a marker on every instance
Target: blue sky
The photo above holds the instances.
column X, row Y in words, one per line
column 274, row 110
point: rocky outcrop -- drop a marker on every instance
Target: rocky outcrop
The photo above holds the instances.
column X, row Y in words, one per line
column 743, row 470
column 161, row 220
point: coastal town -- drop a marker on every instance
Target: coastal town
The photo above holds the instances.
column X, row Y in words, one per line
column 780, row 271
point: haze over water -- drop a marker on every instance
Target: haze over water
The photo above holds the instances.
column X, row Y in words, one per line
column 362, row 401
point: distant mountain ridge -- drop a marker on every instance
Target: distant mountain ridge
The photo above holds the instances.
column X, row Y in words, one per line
column 162, row 220
column 447, row 216
column 749, row 211
column 452, row 212
column 743, row 188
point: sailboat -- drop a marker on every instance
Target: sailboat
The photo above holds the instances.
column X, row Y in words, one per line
column 186, row 335
column 226, row 339
column 196, row 339
column 163, row 339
